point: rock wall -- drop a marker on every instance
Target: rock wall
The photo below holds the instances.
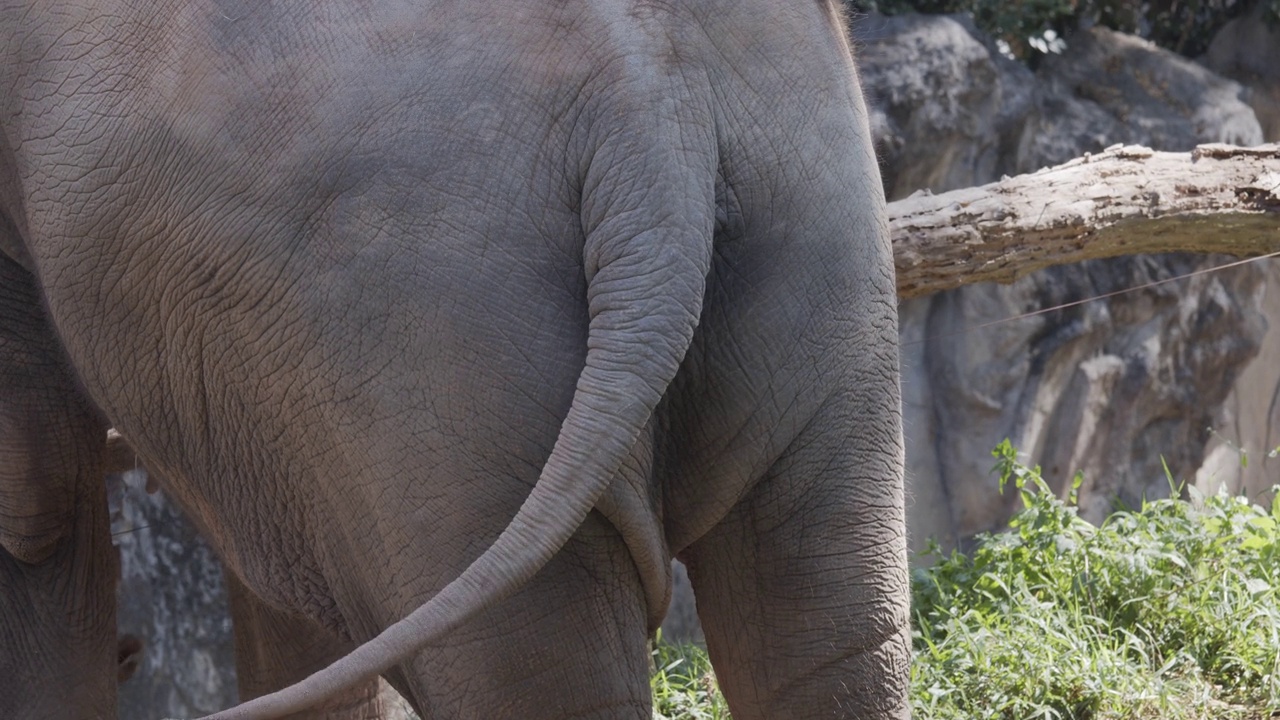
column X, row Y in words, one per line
column 173, row 599
column 934, row 79
column 1243, row 449
column 1247, row 429
column 1110, row 387
column 1247, row 49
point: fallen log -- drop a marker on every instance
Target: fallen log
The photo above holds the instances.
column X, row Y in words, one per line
column 1124, row 201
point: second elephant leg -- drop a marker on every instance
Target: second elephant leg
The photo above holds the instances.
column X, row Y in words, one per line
column 570, row 645
column 275, row 649
column 802, row 588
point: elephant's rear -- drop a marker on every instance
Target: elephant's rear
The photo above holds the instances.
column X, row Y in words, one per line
column 352, row 270
column 783, row 475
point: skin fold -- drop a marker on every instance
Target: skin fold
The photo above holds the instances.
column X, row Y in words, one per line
column 450, row 323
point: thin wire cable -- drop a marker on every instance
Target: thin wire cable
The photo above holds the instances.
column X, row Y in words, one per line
column 1073, row 303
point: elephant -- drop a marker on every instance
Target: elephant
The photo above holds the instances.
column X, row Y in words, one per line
column 450, row 324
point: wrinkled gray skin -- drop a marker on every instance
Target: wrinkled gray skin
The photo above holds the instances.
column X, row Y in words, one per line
column 353, row 277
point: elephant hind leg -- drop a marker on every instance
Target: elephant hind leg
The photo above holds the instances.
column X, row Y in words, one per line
column 275, row 649
column 803, row 590
column 570, row 644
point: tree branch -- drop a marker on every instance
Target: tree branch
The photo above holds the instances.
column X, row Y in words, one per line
column 1123, row 201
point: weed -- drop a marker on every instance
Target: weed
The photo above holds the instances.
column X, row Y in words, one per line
column 1168, row 611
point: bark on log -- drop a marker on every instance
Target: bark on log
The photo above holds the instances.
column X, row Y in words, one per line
column 1123, row 201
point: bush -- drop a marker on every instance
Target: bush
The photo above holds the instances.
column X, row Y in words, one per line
column 684, row 686
column 1170, row 611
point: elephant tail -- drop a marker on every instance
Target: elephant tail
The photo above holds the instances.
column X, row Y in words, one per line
column 648, row 216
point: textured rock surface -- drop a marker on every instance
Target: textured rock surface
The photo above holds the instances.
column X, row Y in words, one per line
column 1243, row 453
column 1106, row 387
column 681, row 624
column 1109, row 88
column 932, row 77
column 1247, row 50
column 172, row 598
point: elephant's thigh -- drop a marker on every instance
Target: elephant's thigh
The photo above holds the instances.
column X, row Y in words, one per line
column 571, row 644
column 802, row 587
column 275, row 649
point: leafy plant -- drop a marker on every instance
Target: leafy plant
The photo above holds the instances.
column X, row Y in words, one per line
column 684, row 686
column 1169, row 611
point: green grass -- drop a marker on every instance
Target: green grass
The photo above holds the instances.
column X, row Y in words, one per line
column 684, row 687
column 1168, row 611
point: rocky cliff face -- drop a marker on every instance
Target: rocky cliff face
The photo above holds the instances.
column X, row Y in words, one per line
column 172, row 598
column 1247, row 428
column 946, row 109
column 1111, row 387
column 1247, row 50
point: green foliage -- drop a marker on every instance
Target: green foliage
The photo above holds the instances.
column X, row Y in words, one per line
column 684, row 686
column 1171, row 611
column 1029, row 26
